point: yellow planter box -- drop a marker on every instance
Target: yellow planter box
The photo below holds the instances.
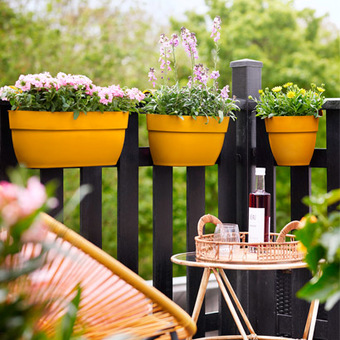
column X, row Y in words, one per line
column 292, row 139
column 185, row 142
column 54, row 139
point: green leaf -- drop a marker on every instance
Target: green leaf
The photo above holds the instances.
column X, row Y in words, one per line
column 331, row 241
column 322, row 287
column 68, row 321
column 313, row 257
column 27, row 267
column 39, row 336
column 75, row 114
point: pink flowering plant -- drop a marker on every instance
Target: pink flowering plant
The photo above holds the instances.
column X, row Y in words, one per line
column 20, row 206
column 201, row 96
column 68, row 93
column 21, row 203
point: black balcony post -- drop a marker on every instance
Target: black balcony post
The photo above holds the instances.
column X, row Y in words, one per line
column 246, row 81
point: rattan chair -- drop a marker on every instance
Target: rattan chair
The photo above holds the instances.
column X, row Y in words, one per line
column 114, row 300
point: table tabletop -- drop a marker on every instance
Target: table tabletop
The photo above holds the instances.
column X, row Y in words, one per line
column 189, row 259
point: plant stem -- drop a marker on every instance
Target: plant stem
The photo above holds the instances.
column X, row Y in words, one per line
column 175, row 64
column 217, row 50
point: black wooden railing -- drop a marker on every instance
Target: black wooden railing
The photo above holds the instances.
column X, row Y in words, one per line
column 269, row 298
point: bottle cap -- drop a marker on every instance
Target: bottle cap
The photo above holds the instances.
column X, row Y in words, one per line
column 260, row 171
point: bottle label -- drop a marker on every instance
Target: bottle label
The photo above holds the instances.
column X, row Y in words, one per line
column 256, row 225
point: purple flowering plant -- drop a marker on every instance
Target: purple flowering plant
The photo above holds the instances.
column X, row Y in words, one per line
column 201, row 96
column 68, row 93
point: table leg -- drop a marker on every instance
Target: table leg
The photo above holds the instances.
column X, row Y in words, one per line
column 311, row 320
column 200, row 295
column 237, row 302
column 231, row 306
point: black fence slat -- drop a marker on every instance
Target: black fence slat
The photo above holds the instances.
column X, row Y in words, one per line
column 262, row 301
column 300, row 307
column 91, row 205
column 211, row 321
column 7, row 155
column 319, row 159
column 333, row 182
column 195, row 209
column 162, row 228
column 145, row 156
column 127, row 197
column 333, row 152
column 265, row 159
column 262, row 284
column 56, row 176
column 227, row 211
column 321, row 330
column 227, row 176
column 333, row 322
column 195, row 202
column 300, row 177
column 284, row 325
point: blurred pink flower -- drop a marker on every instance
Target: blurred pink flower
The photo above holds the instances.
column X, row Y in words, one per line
column 36, row 233
column 134, row 93
column 11, row 213
column 19, row 202
column 33, row 197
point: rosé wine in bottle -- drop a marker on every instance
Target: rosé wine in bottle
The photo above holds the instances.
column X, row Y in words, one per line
column 259, row 211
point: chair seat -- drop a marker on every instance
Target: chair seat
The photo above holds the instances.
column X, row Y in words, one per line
column 114, row 300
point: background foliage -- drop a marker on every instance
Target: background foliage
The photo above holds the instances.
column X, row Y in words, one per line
column 115, row 44
column 320, row 240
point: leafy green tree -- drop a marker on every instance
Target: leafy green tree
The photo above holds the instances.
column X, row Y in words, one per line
column 293, row 45
column 105, row 43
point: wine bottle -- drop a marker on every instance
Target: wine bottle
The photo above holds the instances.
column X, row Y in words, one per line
column 259, row 210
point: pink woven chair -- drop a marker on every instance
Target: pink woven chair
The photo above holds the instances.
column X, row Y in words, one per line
column 114, row 300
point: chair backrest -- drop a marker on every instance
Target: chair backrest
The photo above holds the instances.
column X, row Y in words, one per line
column 114, row 300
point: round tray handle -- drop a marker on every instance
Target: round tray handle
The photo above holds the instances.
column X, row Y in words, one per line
column 204, row 220
column 288, row 228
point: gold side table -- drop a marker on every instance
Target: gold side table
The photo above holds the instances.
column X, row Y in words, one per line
column 189, row 259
